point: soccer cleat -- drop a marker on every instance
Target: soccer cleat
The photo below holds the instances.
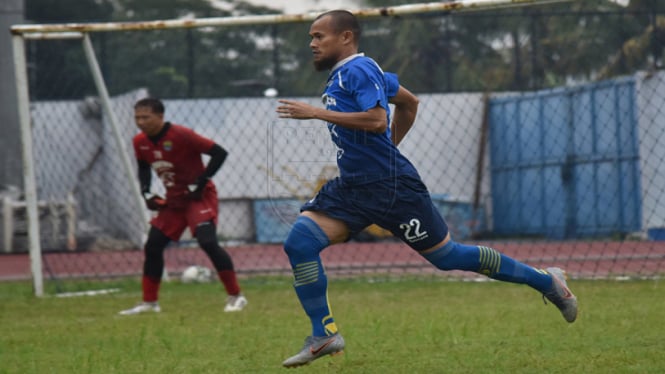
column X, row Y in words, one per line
column 561, row 296
column 315, row 347
column 235, row 303
column 143, row 307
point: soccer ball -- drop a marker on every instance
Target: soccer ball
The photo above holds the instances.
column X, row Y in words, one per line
column 196, row 274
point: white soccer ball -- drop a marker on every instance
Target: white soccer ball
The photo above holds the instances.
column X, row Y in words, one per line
column 196, row 274
column 270, row 92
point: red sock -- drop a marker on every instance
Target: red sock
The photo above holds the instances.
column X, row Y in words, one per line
column 228, row 278
column 150, row 287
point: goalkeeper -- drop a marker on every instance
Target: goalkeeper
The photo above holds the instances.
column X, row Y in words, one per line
column 174, row 153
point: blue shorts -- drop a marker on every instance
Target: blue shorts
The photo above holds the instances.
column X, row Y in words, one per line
column 401, row 205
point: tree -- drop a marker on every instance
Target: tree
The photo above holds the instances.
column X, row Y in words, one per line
column 171, row 63
column 526, row 47
column 64, row 55
column 192, row 62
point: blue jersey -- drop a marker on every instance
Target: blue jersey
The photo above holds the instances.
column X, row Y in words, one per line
column 357, row 85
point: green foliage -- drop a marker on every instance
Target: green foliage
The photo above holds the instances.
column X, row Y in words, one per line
column 170, row 63
column 55, row 11
column 516, row 48
column 202, row 62
column 390, row 327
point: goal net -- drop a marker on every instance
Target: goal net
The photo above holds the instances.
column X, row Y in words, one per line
column 551, row 154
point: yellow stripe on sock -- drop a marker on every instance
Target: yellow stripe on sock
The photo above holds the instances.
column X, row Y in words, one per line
column 306, row 273
column 490, row 261
column 328, row 323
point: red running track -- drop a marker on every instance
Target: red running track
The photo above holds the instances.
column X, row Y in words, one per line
column 592, row 259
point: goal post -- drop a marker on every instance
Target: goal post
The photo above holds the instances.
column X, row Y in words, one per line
column 27, row 154
column 108, row 110
column 390, row 11
column 30, row 188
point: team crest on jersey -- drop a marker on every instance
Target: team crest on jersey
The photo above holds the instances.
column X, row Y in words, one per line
column 328, row 101
column 168, row 145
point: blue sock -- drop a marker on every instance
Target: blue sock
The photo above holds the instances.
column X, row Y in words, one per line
column 489, row 262
column 303, row 245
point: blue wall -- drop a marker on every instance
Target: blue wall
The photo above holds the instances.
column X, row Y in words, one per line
column 565, row 162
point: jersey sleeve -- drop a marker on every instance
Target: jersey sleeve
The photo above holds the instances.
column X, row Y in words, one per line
column 135, row 143
column 367, row 84
column 392, row 84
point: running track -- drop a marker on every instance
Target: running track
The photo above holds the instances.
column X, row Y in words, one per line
column 588, row 259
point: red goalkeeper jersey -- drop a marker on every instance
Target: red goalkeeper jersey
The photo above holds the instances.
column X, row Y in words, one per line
column 175, row 157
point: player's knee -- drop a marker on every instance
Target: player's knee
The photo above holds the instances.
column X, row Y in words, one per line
column 154, row 248
column 209, row 246
column 206, row 236
column 153, row 255
column 444, row 257
column 296, row 245
column 207, row 243
column 457, row 256
column 305, row 239
column 154, row 259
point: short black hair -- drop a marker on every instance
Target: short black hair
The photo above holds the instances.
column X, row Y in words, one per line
column 343, row 20
column 155, row 105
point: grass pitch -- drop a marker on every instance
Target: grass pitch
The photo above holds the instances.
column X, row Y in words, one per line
column 407, row 326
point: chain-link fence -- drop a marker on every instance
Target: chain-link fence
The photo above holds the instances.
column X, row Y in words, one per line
column 539, row 132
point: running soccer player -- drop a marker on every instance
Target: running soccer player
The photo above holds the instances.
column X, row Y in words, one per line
column 174, row 153
column 377, row 185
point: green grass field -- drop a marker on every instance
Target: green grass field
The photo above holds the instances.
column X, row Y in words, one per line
column 407, row 326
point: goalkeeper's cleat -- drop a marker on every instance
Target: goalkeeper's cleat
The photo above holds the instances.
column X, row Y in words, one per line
column 561, row 296
column 315, row 347
column 235, row 303
column 144, row 307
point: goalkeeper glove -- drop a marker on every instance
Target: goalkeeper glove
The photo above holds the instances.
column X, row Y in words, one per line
column 195, row 191
column 154, row 201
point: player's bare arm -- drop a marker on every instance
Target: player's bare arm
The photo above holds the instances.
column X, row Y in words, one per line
column 373, row 120
column 406, row 108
